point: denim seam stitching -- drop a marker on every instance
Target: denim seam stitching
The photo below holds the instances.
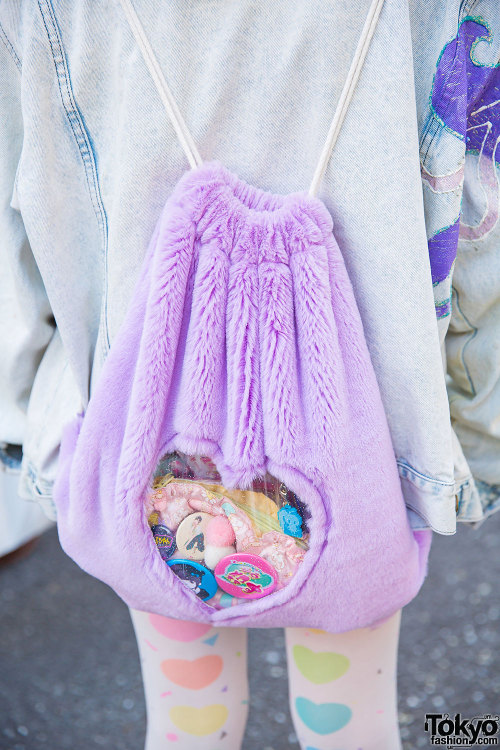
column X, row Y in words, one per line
column 82, row 138
column 40, row 487
column 469, row 339
column 403, row 466
column 10, row 48
column 423, row 515
column 427, row 135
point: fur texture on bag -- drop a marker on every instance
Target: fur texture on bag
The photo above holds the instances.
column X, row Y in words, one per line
column 243, row 342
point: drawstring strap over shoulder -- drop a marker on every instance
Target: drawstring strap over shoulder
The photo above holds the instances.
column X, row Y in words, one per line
column 166, row 96
column 181, row 128
column 347, row 92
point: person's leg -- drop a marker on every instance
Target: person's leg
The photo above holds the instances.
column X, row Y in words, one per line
column 195, row 683
column 343, row 688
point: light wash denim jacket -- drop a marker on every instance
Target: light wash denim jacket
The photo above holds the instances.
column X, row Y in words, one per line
column 88, row 157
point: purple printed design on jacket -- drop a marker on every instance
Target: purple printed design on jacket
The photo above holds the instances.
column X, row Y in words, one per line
column 466, row 93
column 441, row 251
column 243, row 343
column 466, row 99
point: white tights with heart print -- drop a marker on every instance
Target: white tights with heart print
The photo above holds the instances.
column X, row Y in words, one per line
column 342, row 687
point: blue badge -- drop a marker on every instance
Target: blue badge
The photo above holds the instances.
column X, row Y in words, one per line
column 290, row 521
column 200, row 580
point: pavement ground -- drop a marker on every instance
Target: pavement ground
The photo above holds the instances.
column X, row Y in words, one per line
column 70, row 675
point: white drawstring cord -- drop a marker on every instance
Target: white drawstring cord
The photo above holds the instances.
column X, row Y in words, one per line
column 347, row 92
column 173, row 111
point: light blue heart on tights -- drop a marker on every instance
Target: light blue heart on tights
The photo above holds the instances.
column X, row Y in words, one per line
column 323, row 718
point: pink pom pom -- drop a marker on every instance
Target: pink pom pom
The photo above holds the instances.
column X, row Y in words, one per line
column 219, row 532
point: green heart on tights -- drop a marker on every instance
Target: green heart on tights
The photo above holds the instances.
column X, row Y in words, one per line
column 320, row 667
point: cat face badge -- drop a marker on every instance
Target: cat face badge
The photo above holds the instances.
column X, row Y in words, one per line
column 246, row 576
column 195, row 577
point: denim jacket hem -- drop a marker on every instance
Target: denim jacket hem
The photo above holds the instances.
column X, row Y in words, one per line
column 416, row 490
column 477, row 501
column 34, row 487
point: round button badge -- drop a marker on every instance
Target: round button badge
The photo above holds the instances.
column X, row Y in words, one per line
column 165, row 540
column 190, row 536
column 196, row 577
column 246, row 576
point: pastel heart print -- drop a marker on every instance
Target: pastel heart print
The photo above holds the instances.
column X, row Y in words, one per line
column 195, row 674
column 320, row 666
column 199, row 721
column 323, row 718
column 178, row 630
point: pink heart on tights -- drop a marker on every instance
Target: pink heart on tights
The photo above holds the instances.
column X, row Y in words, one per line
column 178, row 630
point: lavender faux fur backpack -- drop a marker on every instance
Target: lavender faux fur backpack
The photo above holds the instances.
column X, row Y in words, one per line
column 234, row 465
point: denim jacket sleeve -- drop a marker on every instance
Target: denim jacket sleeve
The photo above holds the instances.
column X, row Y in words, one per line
column 473, row 337
column 26, row 321
column 36, row 386
column 460, row 160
